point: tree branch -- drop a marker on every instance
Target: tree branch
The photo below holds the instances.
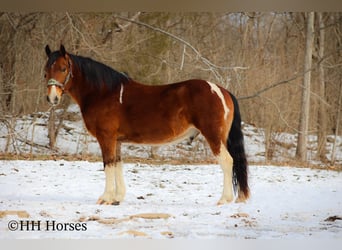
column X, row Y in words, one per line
column 258, row 93
column 210, row 65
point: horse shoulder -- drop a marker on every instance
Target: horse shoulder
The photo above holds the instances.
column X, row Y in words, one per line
column 101, row 115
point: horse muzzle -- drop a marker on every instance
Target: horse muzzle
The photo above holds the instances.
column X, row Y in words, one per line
column 54, row 95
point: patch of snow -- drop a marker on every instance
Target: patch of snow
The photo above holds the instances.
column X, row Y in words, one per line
column 285, row 203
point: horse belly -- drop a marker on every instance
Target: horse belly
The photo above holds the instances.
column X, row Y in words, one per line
column 189, row 133
column 160, row 136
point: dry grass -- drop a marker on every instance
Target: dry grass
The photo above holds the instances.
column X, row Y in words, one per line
column 160, row 161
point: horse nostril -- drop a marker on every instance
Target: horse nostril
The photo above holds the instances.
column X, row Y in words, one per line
column 53, row 100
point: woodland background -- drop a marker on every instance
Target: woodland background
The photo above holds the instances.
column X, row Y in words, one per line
column 260, row 57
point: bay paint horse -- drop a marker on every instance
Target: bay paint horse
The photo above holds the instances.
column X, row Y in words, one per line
column 116, row 109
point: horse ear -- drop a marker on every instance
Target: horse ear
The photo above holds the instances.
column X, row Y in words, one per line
column 47, row 50
column 62, row 49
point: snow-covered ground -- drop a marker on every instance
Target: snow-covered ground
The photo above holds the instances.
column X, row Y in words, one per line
column 165, row 201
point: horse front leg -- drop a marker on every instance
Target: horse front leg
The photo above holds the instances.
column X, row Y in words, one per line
column 114, row 191
column 108, row 196
column 120, row 189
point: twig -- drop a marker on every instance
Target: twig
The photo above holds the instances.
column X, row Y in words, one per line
column 183, row 58
column 210, row 65
column 81, row 34
column 31, row 143
column 280, row 115
column 259, row 92
column 122, row 27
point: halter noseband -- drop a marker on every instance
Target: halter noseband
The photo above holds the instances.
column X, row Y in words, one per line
column 54, row 82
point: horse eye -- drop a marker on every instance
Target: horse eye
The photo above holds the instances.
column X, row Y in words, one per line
column 63, row 70
column 44, row 75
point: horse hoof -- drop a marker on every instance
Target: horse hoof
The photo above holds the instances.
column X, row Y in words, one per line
column 103, row 202
column 222, row 202
column 115, row 203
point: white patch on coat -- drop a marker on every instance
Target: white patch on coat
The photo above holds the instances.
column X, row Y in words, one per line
column 217, row 90
column 121, row 93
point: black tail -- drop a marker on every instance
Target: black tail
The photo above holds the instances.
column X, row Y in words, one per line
column 235, row 145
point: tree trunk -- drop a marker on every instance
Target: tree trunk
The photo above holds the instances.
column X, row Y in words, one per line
column 7, row 74
column 338, row 117
column 322, row 111
column 301, row 152
column 52, row 128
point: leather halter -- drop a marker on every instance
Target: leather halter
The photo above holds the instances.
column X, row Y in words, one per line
column 54, row 82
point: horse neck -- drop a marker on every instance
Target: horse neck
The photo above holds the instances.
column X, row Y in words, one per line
column 85, row 94
column 77, row 91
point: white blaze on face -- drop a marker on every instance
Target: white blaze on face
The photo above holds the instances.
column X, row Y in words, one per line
column 217, row 90
column 53, row 94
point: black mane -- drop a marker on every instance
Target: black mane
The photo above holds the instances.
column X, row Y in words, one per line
column 96, row 74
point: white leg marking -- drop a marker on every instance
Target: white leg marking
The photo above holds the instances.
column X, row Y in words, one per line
column 217, row 90
column 226, row 163
column 121, row 92
column 119, row 182
column 109, row 192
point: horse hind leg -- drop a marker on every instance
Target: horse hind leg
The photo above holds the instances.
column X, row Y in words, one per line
column 226, row 162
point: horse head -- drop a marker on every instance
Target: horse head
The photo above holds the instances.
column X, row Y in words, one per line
column 58, row 74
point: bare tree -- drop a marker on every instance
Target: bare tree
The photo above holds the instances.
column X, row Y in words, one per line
column 7, row 61
column 322, row 111
column 338, row 117
column 301, row 152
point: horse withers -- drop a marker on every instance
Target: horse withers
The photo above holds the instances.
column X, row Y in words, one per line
column 116, row 109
